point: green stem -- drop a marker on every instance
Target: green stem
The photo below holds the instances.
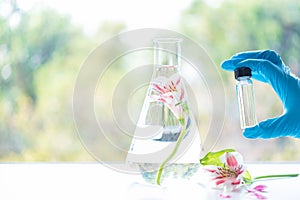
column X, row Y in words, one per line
column 274, row 176
column 161, row 167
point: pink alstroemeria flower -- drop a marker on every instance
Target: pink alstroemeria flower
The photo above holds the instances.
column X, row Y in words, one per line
column 170, row 93
column 227, row 172
column 230, row 174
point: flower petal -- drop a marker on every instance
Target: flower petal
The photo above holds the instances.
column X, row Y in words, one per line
column 181, row 94
column 211, row 170
column 224, row 196
column 220, row 182
column 231, row 160
column 178, row 81
column 259, row 196
column 156, row 86
column 162, row 100
column 236, row 182
column 260, row 188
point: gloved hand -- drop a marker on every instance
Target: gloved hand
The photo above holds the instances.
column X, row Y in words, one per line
column 268, row 67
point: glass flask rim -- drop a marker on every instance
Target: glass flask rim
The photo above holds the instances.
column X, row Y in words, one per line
column 167, row 40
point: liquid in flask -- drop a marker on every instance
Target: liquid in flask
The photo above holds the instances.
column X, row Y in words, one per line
column 165, row 119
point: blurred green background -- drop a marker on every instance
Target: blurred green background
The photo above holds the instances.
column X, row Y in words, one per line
column 41, row 51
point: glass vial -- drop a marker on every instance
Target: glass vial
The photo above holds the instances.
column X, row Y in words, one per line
column 245, row 97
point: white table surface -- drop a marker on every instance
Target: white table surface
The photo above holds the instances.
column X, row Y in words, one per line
column 90, row 181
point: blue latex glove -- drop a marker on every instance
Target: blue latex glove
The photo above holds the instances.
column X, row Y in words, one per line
column 268, row 67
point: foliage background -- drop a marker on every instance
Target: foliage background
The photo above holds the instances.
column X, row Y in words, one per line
column 41, row 51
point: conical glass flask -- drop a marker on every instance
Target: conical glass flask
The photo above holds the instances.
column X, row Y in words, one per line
column 166, row 131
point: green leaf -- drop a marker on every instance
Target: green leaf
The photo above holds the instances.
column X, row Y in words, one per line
column 181, row 121
column 247, row 177
column 213, row 158
column 177, row 104
column 185, row 107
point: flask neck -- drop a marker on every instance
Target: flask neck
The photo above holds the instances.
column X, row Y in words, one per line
column 167, row 52
column 243, row 78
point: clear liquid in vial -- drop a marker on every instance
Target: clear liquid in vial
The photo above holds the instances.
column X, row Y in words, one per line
column 246, row 102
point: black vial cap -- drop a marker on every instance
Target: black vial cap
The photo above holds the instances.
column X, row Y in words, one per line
column 242, row 71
